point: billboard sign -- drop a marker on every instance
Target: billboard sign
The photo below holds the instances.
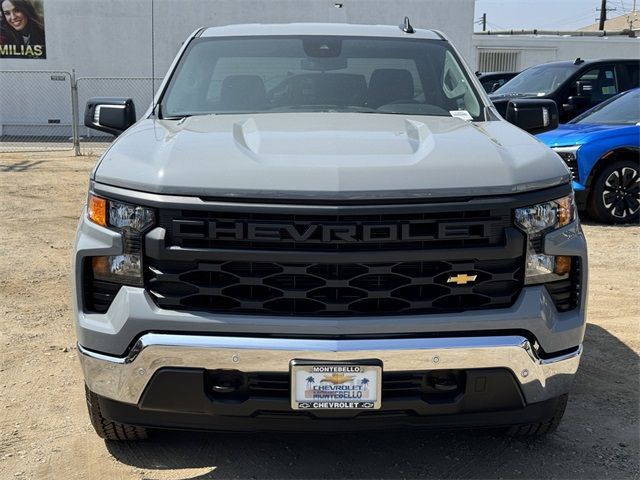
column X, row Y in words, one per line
column 22, row 29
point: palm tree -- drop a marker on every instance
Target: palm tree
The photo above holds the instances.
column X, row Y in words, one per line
column 309, row 380
column 365, row 382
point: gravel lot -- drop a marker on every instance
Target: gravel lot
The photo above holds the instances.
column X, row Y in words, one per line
column 45, row 431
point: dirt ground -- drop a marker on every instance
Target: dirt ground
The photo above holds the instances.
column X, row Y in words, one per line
column 45, row 430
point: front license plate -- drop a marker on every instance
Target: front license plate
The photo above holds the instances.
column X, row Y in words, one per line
column 336, row 385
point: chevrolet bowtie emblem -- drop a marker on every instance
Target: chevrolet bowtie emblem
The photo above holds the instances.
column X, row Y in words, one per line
column 462, row 279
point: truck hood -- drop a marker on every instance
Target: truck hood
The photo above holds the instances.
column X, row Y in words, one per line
column 350, row 155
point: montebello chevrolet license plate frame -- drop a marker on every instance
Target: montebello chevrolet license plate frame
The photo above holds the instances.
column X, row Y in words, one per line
column 344, row 385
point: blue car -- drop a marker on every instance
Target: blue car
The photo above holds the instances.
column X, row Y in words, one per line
column 601, row 147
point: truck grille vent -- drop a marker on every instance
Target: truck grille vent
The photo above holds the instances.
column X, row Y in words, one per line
column 334, row 289
column 98, row 295
column 441, row 384
column 566, row 293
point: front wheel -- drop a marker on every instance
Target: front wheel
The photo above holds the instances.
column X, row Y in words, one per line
column 615, row 193
column 106, row 428
column 545, row 427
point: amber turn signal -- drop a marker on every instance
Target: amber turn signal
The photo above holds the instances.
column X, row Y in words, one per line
column 563, row 265
column 97, row 210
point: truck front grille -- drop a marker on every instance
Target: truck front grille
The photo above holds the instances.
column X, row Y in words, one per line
column 285, row 260
column 329, row 288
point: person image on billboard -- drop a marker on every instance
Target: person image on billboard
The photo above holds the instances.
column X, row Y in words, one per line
column 22, row 29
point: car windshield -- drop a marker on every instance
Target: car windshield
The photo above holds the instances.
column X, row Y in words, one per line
column 537, row 81
column 320, row 74
column 623, row 109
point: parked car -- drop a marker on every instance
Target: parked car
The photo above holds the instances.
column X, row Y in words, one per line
column 575, row 86
column 491, row 81
column 602, row 149
column 327, row 227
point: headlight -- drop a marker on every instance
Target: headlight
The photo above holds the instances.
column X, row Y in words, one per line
column 547, row 216
column 119, row 215
column 569, row 156
column 536, row 221
column 132, row 221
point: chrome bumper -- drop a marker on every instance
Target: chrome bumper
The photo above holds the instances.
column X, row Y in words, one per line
column 124, row 379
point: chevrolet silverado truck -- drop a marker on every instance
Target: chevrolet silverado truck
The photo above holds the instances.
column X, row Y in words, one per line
column 326, row 227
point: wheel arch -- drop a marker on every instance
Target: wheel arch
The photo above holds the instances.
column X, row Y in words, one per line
column 618, row 153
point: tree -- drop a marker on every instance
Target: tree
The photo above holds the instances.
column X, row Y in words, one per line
column 310, row 380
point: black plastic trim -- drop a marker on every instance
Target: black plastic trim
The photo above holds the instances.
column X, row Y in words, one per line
column 332, row 203
column 156, row 248
column 491, row 398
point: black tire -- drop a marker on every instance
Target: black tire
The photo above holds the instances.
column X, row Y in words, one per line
column 615, row 193
column 541, row 428
column 106, row 428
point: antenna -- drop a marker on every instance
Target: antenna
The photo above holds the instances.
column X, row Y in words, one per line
column 406, row 26
column 153, row 65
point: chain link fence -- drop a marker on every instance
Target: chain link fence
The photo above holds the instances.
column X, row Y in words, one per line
column 44, row 110
column 36, row 111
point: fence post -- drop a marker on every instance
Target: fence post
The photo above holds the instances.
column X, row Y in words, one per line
column 74, row 113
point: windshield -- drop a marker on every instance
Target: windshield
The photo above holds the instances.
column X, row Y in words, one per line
column 623, row 109
column 319, row 74
column 537, row 81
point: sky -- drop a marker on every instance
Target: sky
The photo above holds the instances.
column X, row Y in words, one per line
column 546, row 14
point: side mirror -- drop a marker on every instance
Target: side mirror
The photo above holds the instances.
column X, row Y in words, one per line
column 576, row 103
column 533, row 115
column 111, row 115
column 584, row 89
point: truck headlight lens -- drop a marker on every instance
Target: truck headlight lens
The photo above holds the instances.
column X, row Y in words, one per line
column 120, row 215
column 131, row 221
column 547, row 216
column 536, row 221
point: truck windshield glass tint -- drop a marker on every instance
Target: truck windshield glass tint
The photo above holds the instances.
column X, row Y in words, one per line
column 319, row 74
column 537, row 80
column 622, row 110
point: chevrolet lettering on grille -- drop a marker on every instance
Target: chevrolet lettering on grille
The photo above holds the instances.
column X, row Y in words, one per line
column 322, row 233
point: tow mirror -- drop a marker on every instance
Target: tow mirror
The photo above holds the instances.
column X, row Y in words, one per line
column 584, row 89
column 533, row 115
column 111, row 115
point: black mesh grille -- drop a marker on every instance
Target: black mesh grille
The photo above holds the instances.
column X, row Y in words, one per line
column 566, row 293
column 302, row 261
column 433, row 385
column 326, row 289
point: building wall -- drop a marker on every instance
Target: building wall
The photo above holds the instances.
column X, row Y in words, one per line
column 113, row 38
column 535, row 49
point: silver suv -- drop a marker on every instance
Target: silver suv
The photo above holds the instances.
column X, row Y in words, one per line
column 326, row 227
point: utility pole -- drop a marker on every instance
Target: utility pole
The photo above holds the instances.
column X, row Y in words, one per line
column 484, row 21
column 603, row 14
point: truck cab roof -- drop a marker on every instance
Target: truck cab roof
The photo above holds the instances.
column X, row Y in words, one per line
column 338, row 29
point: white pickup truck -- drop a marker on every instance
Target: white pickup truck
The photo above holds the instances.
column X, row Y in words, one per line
column 327, row 227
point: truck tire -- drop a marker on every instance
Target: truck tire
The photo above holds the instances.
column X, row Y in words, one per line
column 614, row 193
column 541, row 428
column 106, row 428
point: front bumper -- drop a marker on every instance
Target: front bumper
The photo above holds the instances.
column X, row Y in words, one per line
column 124, row 379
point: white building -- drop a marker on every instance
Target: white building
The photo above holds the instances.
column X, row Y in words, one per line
column 116, row 38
